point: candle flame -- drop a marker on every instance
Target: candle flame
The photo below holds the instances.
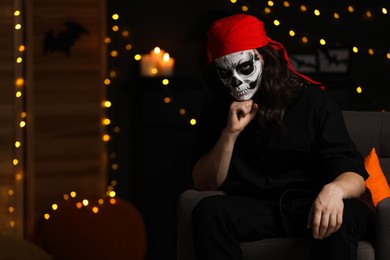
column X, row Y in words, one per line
column 157, row 50
column 166, row 57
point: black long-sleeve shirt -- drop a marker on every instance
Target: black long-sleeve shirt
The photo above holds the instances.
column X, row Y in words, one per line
column 311, row 149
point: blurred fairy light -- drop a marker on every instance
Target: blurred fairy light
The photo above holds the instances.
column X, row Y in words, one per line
column 336, row 14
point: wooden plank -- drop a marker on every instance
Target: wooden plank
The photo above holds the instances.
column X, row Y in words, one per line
column 7, row 117
column 65, row 104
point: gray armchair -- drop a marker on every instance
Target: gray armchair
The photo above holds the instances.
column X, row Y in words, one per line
column 367, row 129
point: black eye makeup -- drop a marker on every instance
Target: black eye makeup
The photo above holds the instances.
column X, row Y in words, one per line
column 224, row 73
column 246, row 68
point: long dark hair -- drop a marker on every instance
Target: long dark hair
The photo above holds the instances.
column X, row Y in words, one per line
column 279, row 86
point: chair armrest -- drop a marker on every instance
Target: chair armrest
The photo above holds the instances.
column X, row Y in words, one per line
column 382, row 237
column 186, row 203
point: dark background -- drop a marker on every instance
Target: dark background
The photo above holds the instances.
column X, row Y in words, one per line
column 153, row 148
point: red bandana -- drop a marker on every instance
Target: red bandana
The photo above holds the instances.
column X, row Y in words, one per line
column 241, row 32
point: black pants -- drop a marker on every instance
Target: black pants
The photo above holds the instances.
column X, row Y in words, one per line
column 222, row 222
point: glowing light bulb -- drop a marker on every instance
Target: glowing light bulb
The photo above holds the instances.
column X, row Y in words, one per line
column 107, row 103
column 165, row 82
column 106, row 121
column 19, row 82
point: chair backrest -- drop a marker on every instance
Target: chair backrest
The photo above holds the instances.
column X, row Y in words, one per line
column 370, row 129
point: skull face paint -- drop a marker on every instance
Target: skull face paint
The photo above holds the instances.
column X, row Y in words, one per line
column 241, row 73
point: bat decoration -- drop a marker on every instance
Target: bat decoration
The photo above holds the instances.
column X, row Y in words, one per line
column 63, row 40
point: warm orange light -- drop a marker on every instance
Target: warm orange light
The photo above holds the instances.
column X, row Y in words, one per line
column 106, row 138
column 19, row 176
column 107, row 103
column 19, row 82
column 106, row 121
column 111, row 193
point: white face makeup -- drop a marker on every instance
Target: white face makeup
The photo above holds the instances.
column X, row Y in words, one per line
column 241, row 73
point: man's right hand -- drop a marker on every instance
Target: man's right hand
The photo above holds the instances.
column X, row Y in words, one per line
column 240, row 114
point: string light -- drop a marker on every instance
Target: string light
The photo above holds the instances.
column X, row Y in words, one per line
column 336, row 15
column 92, row 205
column 13, row 224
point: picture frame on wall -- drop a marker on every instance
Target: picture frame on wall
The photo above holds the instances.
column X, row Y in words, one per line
column 335, row 61
column 304, row 63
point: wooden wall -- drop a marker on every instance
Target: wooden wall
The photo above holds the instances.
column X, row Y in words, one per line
column 7, row 122
column 64, row 71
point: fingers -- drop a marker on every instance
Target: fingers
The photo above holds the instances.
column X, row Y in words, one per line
column 326, row 214
column 242, row 109
column 241, row 113
column 255, row 108
column 324, row 224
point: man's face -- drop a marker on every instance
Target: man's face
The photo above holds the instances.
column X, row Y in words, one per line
column 241, row 72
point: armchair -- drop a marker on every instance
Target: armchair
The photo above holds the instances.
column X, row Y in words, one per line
column 367, row 129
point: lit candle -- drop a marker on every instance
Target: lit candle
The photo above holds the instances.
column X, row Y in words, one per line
column 166, row 65
column 148, row 66
column 150, row 62
column 157, row 54
column 157, row 63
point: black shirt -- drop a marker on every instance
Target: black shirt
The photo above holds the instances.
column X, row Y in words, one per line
column 311, row 149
